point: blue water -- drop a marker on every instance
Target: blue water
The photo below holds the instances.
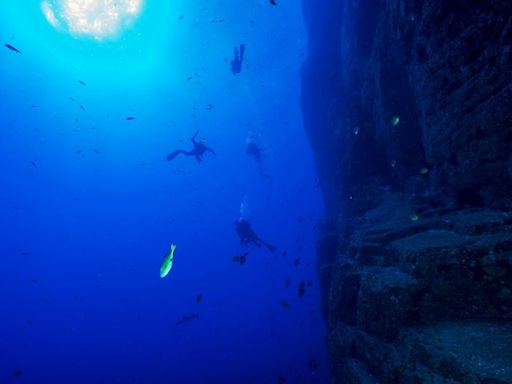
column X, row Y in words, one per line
column 90, row 206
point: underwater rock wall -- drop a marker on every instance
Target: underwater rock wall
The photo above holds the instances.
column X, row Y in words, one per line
column 408, row 108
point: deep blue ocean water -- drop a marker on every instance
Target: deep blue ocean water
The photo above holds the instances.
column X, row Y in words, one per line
column 90, row 206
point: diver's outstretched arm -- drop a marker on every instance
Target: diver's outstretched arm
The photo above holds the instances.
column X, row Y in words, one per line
column 242, row 51
column 172, row 155
column 270, row 247
column 211, row 150
column 259, row 241
column 193, row 139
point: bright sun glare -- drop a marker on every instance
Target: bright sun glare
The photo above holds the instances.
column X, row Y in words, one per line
column 99, row 19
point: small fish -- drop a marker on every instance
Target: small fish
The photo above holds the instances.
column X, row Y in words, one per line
column 81, row 82
column 29, row 322
column 199, row 298
column 12, row 48
column 301, row 290
column 166, row 266
column 287, row 282
column 78, row 151
column 424, row 170
column 24, row 253
column 34, row 164
column 187, row 318
column 285, row 253
column 395, row 120
column 280, row 379
column 97, row 151
column 285, row 304
column 82, row 107
column 273, row 2
column 130, row 118
column 296, row 262
column 414, row 217
column 17, row 373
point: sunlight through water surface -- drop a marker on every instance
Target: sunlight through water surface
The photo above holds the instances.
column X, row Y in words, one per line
column 99, row 19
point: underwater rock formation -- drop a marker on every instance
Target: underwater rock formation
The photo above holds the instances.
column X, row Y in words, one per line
column 408, row 108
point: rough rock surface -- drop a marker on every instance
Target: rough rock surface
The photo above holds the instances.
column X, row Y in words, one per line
column 408, row 107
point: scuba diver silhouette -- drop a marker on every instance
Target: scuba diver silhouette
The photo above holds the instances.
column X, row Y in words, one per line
column 198, row 151
column 236, row 63
column 247, row 235
column 254, row 150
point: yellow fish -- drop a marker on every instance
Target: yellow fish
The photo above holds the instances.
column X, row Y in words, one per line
column 166, row 266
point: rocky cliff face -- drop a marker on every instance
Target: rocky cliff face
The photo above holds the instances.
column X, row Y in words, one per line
column 408, row 106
